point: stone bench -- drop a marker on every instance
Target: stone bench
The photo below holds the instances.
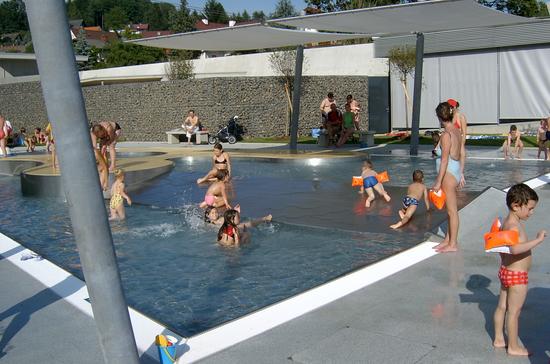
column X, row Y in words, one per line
column 173, row 136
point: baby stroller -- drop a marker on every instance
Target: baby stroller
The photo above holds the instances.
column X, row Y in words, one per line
column 227, row 133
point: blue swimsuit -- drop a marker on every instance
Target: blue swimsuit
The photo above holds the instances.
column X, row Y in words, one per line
column 370, row 181
column 407, row 201
column 453, row 166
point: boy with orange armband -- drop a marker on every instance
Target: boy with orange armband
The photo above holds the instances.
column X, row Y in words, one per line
column 513, row 274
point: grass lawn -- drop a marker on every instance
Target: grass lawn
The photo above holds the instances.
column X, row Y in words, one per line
column 529, row 141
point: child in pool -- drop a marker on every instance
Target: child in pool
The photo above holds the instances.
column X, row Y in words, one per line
column 415, row 192
column 233, row 232
column 216, row 195
column 514, row 137
column 118, row 194
column 513, row 274
column 370, row 182
column 213, row 216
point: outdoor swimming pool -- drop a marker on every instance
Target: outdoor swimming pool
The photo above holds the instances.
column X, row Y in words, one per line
column 174, row 272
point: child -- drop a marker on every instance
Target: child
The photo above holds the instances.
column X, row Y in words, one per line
column 50, row 144
column 541, row 138
column 435, row 141
column 415, row 192
column 513, row 274
column 216, row 195
column 348, row 126
column 118, row 192
column 514, row 137
column 233, row 232
column 370, row 182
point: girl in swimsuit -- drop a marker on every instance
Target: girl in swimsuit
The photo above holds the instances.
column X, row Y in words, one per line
column 449, row 165
column 118, row 194
column 232, row 233
column 220, row 161
column 216, row 195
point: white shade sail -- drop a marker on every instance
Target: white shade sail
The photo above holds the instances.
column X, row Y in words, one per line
column 243, row 37
column 427, row 16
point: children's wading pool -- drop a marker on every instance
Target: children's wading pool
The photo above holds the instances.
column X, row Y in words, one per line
column 172, row 269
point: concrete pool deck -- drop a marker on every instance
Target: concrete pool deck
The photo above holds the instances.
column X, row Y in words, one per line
column 439, row 310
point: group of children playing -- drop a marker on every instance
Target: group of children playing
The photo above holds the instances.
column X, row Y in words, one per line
column 415, row 192
column 232, row 231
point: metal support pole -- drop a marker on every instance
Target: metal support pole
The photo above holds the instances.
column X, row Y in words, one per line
column 296, row 99
column 66, row 111
column 417, row 93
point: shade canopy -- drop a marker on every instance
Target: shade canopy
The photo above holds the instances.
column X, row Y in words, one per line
column 243, row 37
column 535, row 32
column 422, row 17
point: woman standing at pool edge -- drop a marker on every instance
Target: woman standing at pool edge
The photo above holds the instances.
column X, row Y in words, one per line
column 449, row 167
column 220, row 160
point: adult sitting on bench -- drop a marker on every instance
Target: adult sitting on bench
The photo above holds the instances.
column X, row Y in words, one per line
column 190, row 125
column 333, row 124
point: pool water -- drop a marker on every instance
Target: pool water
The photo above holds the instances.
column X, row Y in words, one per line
column 172, row 269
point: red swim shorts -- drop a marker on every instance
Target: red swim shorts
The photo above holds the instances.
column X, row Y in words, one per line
column 509, row 278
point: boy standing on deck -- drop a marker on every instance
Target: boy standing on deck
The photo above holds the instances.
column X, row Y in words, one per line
column 513, row 274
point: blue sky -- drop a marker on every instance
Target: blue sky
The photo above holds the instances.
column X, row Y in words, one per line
column 234, row 6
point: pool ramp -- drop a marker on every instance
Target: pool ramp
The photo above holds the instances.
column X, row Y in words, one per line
column 438, row 310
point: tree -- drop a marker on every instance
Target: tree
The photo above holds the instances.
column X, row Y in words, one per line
column 117, row 54
column 13, row 17
column 283, row 63
column 116, row 18
column 215, row 12
column 402, row 62
column 258, row 15
column 245, row 16
column 159, row 16
column 337, row 5
column 283, row 9
column 527, row 8
column 179, row 66
column 182, row 20
column 82, row 48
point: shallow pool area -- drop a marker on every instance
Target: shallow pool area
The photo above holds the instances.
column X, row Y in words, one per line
column 174, row 272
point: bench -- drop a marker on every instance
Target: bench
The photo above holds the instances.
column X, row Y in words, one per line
column 173, row 136
column 366, row 138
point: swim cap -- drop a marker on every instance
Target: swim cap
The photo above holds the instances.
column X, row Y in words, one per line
column 452, row 102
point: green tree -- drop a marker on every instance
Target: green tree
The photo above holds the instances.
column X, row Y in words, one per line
column 182, row 20
column 402, row 62
column 215, row 12
column 258, row 15
column 284, row 9
column 82, row 48
column 245, row 16
column 527, row 8
column 337, row 5
column 13, row 17
column 159, row 16
column 118, row 54
column 179, row 66
column 116, row 18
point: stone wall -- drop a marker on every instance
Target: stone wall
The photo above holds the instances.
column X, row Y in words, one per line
column 146, row 110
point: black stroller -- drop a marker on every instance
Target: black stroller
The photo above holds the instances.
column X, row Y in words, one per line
column 229, row 133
